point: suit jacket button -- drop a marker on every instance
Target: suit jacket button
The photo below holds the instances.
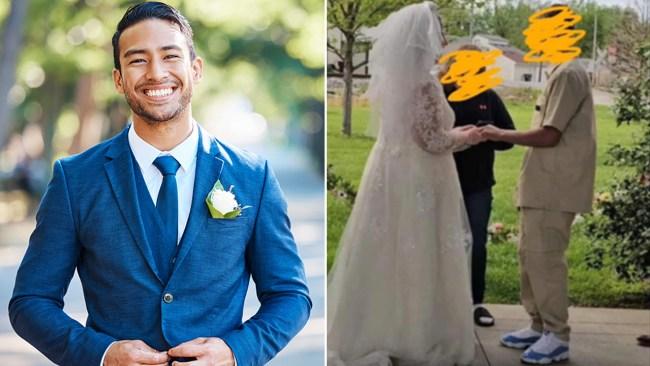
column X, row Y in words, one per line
column 168, row 298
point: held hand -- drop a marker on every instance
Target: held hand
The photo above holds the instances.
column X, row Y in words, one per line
column 490, row 132
column 135, row 352
column 465, row 127
column 207, row 351
column 470, row 134
column 474, row 136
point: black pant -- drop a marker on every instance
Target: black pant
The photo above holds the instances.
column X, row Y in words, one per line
column 479, row 206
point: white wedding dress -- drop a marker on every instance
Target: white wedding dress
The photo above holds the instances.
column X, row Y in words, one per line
column 399, row 290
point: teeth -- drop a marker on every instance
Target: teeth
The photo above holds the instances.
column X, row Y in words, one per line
column 159, row 92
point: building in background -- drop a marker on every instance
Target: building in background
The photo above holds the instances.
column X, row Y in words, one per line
column 516, row 72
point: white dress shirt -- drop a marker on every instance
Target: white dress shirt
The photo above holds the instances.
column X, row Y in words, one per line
column 185, row 154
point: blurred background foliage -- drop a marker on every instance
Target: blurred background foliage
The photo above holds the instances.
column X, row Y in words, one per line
column 263, row 78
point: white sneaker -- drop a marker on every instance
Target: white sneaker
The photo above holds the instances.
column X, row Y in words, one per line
column 521, row 338
column 546, row 350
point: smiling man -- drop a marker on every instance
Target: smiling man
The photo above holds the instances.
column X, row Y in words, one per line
column 164, row 267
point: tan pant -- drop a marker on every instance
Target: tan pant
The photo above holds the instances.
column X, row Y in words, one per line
column 544, row 238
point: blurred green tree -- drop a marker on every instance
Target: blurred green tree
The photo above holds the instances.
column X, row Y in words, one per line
column 621, row 233
column 11, row 41
column 269, row 51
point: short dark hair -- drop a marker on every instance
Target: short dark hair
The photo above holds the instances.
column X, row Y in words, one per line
column 149, row 10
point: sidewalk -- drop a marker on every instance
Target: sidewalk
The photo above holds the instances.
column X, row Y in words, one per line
column 599, row 337
column 303, row 188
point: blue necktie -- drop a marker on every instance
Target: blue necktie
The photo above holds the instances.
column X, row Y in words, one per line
column 167, row 206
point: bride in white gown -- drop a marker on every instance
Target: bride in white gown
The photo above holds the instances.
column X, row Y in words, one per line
column 399, row 290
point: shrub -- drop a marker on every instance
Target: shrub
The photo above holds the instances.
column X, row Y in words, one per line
column 340, row 187
column 501, row 234
column 620, row 227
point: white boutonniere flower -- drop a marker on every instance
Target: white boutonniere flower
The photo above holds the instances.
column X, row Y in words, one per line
column 222, row 204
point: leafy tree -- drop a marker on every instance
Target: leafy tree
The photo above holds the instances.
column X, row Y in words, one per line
column 626, row 38
column 622, row 232
column 11, row 45
column 605, row 18
column 465, row 18
column 268, row 50
column 349, row 17
column 510, row 17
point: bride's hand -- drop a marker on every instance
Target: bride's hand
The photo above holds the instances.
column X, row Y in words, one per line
column 469, row 134
column 465, row 128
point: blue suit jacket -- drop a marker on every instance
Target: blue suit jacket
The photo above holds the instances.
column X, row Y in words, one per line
column 89, row 220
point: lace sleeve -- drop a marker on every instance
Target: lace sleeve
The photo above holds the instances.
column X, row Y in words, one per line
column 433, row 119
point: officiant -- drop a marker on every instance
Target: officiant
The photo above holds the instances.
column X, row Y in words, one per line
column 475, row 167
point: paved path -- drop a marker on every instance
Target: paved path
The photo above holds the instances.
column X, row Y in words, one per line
column 303, row 187
column 603, row 97
column 600, row 337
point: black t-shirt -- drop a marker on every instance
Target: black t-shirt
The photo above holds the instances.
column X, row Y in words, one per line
column 476, row 165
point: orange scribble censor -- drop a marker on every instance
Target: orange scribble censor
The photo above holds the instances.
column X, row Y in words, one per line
column 549, row 38
column 470, row 72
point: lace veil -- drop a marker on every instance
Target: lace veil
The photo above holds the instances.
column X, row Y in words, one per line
column 407, row 43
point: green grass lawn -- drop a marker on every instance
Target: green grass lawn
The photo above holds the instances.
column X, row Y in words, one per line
column 588, row 287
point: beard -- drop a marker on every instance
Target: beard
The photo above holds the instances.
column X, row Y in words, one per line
column 151, row 117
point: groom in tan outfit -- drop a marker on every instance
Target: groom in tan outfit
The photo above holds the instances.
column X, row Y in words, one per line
column 556, row 183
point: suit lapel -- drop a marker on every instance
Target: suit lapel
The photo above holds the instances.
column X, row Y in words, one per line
column 121, row 175
column 208, row 171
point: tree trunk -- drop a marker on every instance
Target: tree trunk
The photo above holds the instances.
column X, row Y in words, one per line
column 52, row 108
column 90, row 122
column 118, row 114
column 11, row 44
column 348, row 55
